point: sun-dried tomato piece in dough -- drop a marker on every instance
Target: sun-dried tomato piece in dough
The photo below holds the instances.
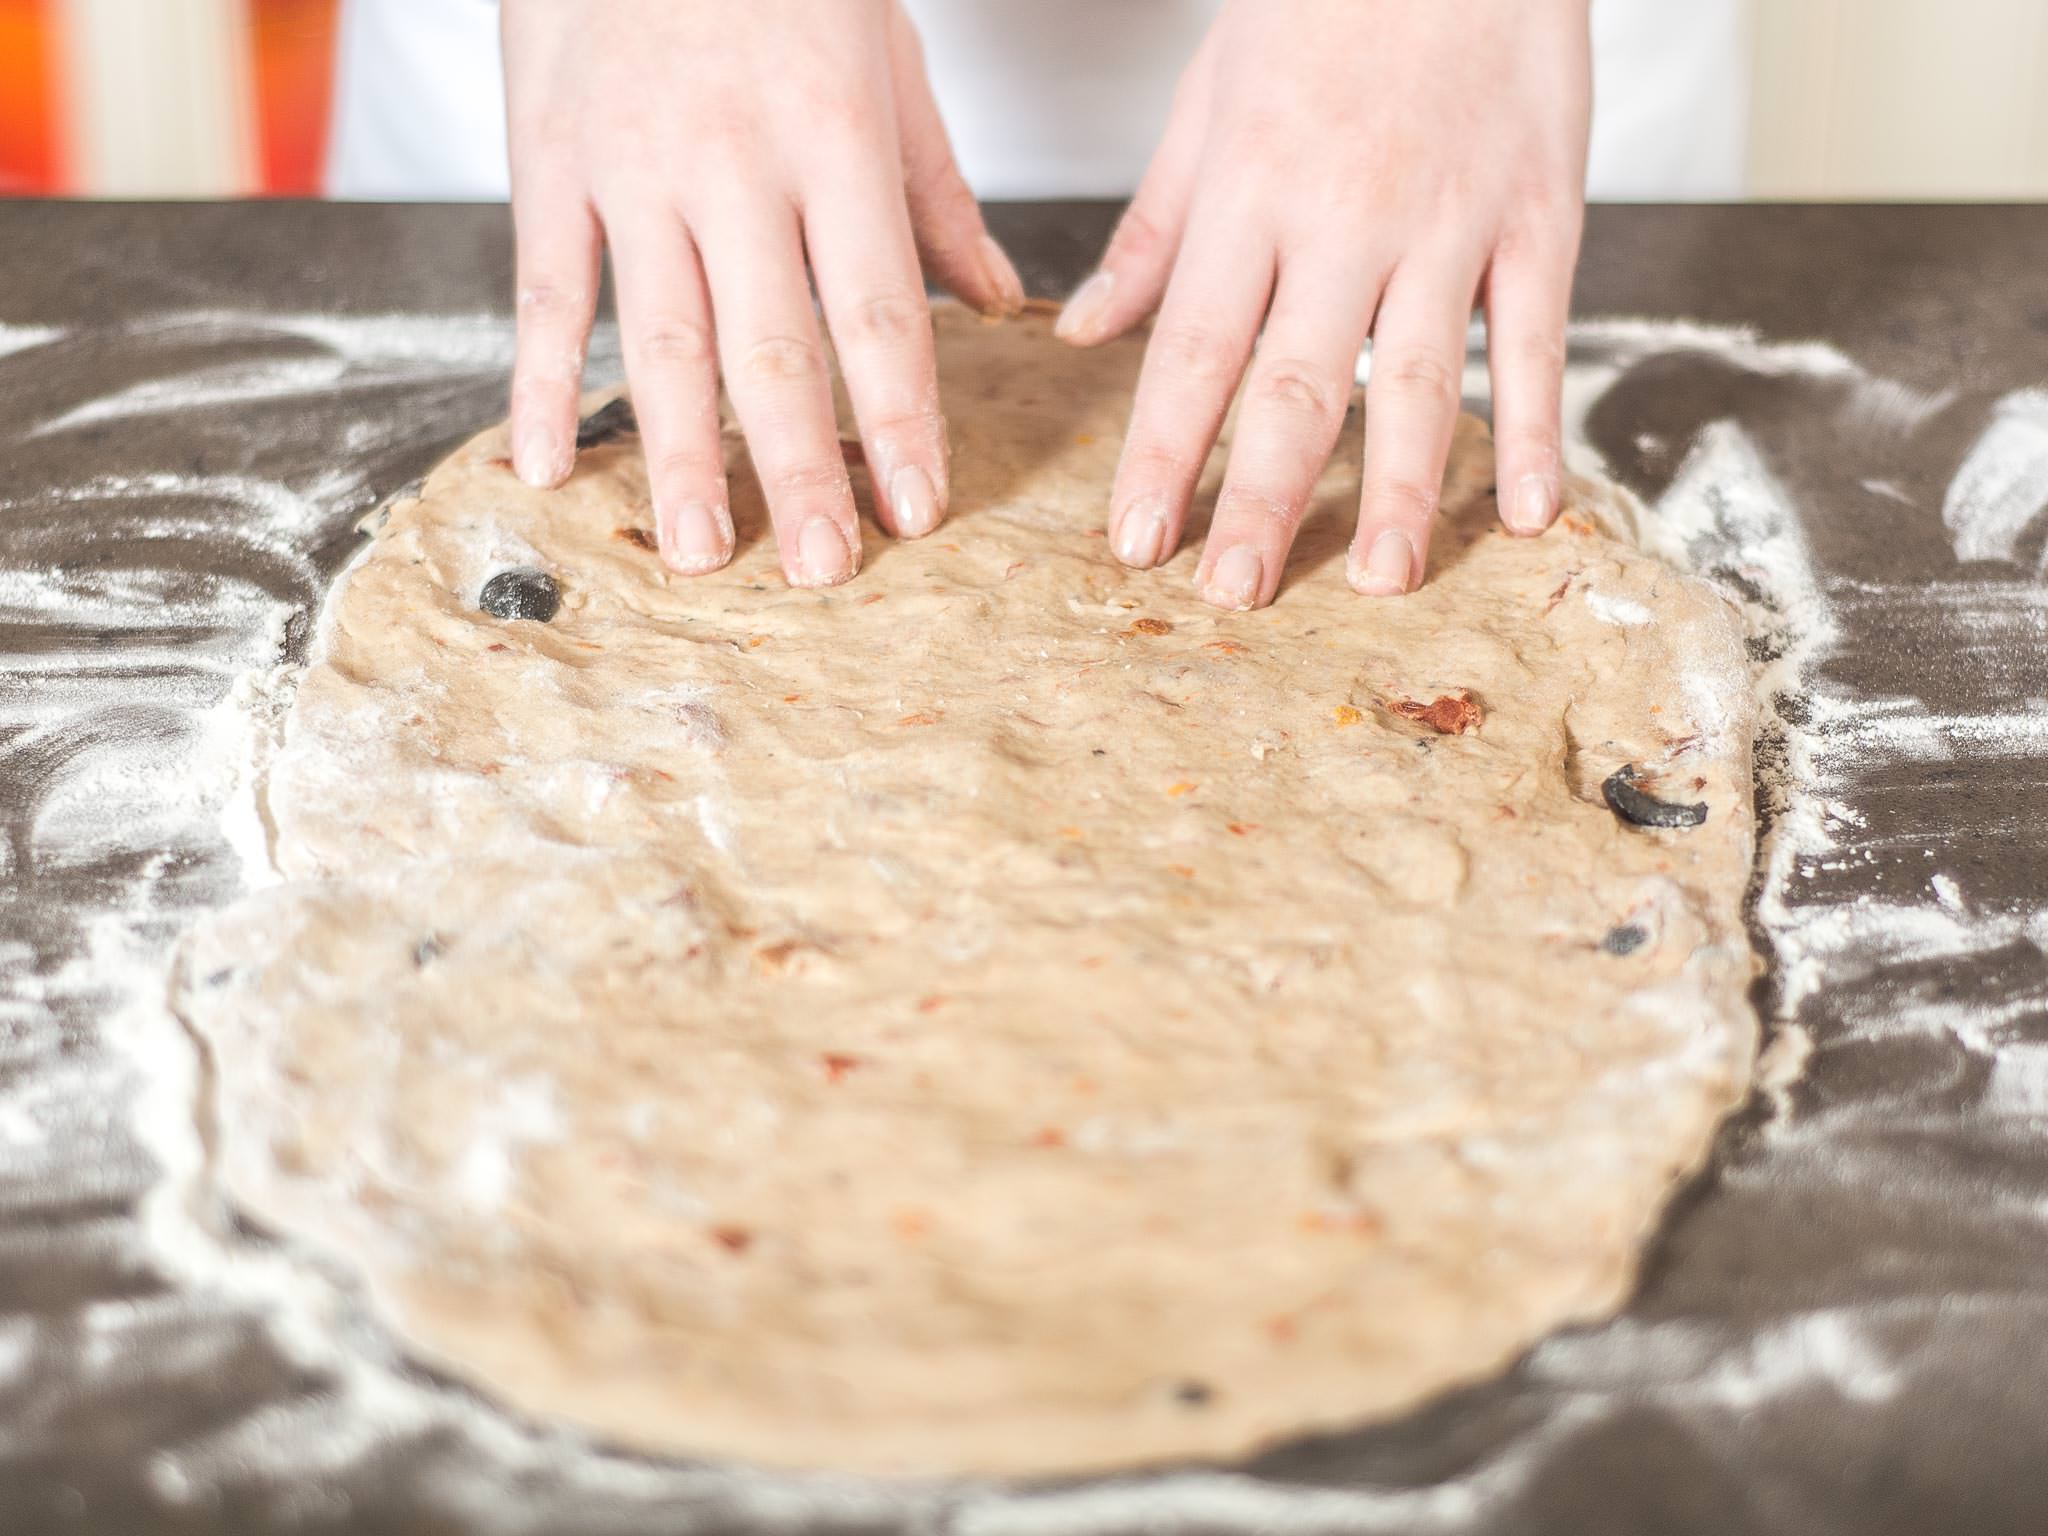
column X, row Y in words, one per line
column 1450, row 714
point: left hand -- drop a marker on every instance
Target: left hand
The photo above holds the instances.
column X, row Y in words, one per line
column 1334, row 169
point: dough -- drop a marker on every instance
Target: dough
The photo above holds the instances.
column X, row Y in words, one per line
column 1000, row 1015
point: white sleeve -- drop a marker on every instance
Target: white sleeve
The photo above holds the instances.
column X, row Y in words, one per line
column 1057, row 98
column 1670, row 100
column 419, row 102
column 1042, row 98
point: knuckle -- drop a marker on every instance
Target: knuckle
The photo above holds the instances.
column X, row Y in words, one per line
column 1532, row 442
column 1244, row 504
column 1358, row 196
column 621, row 189
column 948, row 228
column 803, row 478
column 843, row 110
column 1157, row 463
column 886, row 319
column 717, row 97
column 674, row 465
column 1519, row 244
column 932, row 174
column 718, row 119
column 1536, row 275
column 1137, row 237
column 1400, row 501
column 544, row 390
column 674, row 340
column 1194, row 353
column 547, row 372
column 1542, row 228
column 922, row 425
column 1296, row 387
column 725, row 138
column 1540, row 353
column 1422, row 375
column 543, row 302
column 1265, row 136
column 777, row 360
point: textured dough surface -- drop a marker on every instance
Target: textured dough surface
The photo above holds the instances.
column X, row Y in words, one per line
column 999, row 1015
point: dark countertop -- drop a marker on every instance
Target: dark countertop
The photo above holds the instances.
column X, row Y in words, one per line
column 1843, row 1326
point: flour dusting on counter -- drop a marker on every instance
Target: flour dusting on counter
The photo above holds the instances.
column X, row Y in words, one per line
column 20, row 338
column 1998, row 501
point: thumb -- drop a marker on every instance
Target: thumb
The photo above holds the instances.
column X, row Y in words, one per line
column 1131, row 279
column 952, row 242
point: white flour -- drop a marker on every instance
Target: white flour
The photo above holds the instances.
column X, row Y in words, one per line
column 1617, row 610
column 352, row 355
column 157, row 782
column 2002, row 489
column 19, row 338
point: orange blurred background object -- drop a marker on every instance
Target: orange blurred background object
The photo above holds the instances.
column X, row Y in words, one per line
column 64, row 129
column 31, row 159
column 293, row 54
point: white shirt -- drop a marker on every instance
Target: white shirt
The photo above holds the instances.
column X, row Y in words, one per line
column 1042, row 98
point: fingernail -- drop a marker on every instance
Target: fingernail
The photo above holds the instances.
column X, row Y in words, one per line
column 1235, row 579
column 822, row 556
column 537, row 460
column 1389, row 567
column 916, row 503
column 1535, row 505
column 695, row 538
column 1002, row 277
column 1140, row 535
column 1084, row 311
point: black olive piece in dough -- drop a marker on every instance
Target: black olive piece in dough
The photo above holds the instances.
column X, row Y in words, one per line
column 1625, row 940
column 608, row 421
column 521, row 594
column 1640, row 809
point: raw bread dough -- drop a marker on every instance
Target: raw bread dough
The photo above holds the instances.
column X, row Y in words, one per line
column 1001, row 1014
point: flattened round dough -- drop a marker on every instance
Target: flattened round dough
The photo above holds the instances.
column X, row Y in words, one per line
column 1001, row 1014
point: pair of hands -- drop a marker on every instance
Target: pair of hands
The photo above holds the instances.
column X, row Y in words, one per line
column 1331, row 170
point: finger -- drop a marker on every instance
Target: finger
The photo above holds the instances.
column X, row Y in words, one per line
column 952, row 241
column 557, row 249
column 859, row 237
column 672, row 362
column 1192, row 364
column 775, row 371
column 556, row 236
column 1295, row 397
column 1138, row 263
column 1528, row 303
column 1411, row 410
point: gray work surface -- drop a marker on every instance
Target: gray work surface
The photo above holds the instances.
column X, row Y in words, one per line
column 1843, row 1325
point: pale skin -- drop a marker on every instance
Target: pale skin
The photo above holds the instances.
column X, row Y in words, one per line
column 1332, row 171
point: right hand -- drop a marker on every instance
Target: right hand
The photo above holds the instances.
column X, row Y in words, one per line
column 714, row 145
